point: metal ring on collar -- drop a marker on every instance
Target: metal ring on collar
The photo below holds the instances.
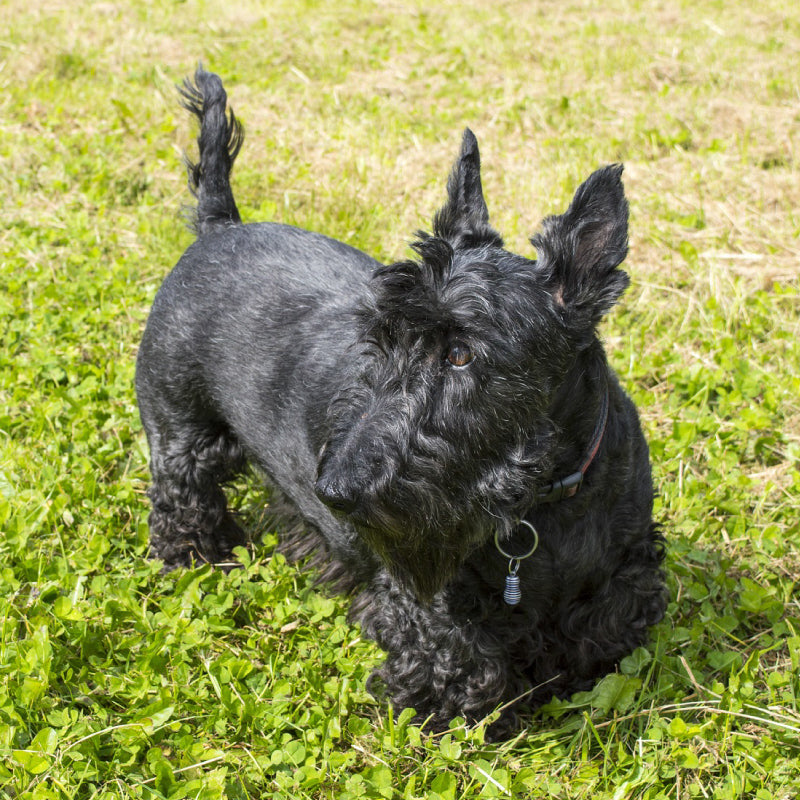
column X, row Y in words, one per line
column 525, row 555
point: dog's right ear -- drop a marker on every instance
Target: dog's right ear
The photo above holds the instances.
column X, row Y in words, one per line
column 464, row 219
column 579, row 251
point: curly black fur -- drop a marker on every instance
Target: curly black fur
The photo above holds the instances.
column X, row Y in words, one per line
column 406, row 413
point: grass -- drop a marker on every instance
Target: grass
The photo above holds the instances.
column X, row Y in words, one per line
column 119, row 682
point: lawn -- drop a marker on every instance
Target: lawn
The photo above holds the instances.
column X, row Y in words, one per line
column 117, row 681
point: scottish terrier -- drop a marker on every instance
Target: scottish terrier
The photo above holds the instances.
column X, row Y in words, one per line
column 444, row 433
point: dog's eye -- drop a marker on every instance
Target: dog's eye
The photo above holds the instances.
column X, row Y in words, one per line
column 459, row 354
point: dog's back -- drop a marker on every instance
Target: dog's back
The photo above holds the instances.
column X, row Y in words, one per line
column 238, row 278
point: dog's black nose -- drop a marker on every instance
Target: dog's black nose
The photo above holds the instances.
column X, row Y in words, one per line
column 336, row 495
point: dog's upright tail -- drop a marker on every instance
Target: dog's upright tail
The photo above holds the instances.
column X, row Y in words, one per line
column 221, row 136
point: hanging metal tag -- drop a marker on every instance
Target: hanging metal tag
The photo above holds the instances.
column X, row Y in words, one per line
column 512, row 593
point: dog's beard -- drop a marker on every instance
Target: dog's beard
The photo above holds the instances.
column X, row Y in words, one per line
column 423, row 561
column 422, row 570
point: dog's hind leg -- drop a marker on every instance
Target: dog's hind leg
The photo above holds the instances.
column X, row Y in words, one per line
column 190, row 520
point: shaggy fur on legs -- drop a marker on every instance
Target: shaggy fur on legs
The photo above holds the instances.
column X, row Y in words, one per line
column 426, row 423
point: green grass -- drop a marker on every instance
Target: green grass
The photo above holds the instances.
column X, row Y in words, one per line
column 119, row 682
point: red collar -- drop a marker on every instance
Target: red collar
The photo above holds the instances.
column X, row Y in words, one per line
column 569, row 486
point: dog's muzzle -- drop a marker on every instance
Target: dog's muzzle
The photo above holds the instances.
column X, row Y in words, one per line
column 336, row 493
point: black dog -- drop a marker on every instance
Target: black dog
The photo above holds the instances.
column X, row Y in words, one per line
column 446, row 430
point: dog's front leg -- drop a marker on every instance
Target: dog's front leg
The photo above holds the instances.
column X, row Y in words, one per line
column 438, row 661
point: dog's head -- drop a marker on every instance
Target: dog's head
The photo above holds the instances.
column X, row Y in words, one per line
column 447, row 427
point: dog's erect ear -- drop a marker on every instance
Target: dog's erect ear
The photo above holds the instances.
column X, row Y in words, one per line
column 464, row 219
column 580, row 250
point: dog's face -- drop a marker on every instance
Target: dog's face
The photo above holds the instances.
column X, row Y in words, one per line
column 443, row 430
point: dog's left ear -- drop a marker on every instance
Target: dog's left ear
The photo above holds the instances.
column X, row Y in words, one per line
column 464, row 219
column 580, row 250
